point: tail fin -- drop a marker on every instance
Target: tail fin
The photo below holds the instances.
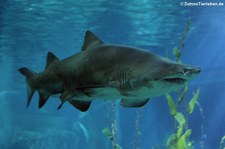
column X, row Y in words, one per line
column 28, row 74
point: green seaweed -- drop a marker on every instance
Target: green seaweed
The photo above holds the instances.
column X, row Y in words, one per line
column 222, row 143
column 223, row 139
column 110, row 132
column 193, row 101
column 117, row 146
column 177, row 54
column 180, row 118
column 173, row 109
column 107, row 132
column 179, row 131
column 182, row 142
column 183, row 94
column 180, row 139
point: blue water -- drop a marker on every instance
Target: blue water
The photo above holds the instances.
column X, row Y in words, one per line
column 29, row 29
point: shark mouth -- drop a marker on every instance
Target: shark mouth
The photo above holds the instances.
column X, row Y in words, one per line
column 175, row 80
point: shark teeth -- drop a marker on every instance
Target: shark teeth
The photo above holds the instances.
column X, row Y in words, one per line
column 175, row 80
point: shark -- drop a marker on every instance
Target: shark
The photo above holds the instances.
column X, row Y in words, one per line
column 107, row 72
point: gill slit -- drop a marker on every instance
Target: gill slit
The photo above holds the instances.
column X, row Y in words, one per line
column 123, row 75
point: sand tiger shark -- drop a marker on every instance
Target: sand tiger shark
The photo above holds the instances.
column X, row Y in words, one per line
column 108, row 72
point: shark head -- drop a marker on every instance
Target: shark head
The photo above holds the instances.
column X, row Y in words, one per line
column 164, row 75
column 179, row 74
column 173, row 77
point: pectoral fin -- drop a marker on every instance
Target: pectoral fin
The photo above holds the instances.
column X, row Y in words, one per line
column 73, row 98
column 81, row 105
column 133, row 102
column 65, row 96
column 43, row 97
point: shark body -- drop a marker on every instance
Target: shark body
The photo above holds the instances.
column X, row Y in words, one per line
column 103, row 71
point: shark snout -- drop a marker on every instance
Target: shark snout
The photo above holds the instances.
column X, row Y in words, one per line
column 190, row 70
column 182, row 74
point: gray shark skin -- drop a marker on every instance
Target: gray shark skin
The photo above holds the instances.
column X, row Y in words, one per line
column 108, row 72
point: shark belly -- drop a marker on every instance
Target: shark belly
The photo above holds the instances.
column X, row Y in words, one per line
column 111, row 93
column 106, row 93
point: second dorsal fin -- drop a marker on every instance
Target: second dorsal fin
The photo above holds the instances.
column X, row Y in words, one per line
column 91, row 41
column 50, row 58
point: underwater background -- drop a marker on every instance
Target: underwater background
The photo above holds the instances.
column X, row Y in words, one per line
column 29, row 29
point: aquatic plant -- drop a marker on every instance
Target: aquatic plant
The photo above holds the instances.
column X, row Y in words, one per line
column 180, row 139
column 222, row 143
column 110, row 132
column 136, row 141
column 193, row 101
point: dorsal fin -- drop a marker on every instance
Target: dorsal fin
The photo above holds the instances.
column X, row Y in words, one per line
column 91, row 41
column 51, row 58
